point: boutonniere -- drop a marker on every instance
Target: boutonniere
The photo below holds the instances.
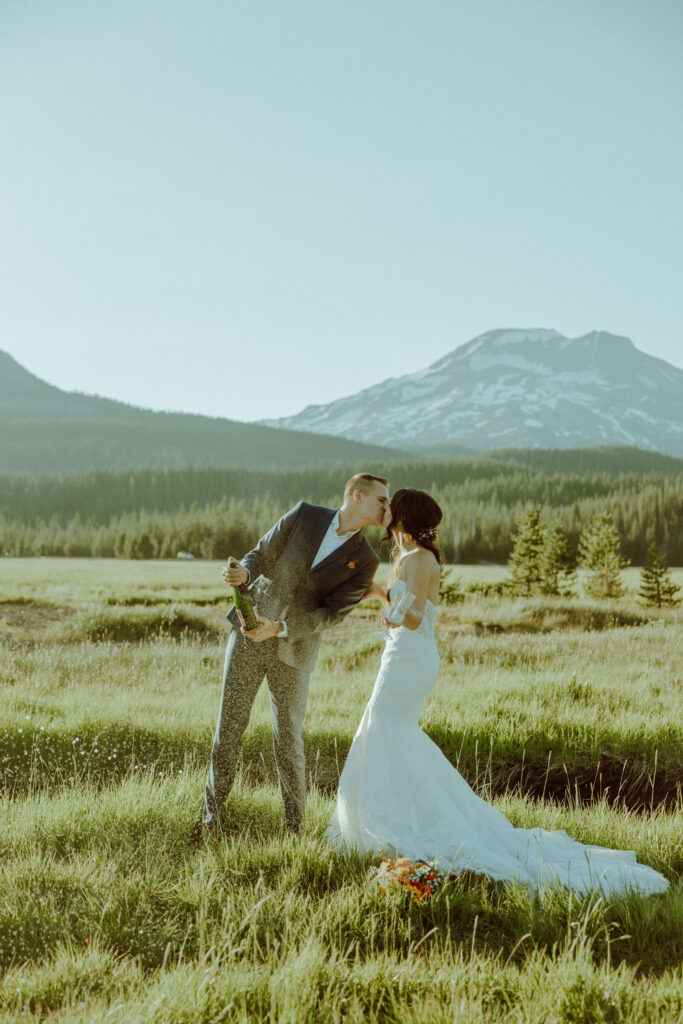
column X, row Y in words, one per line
column 348, row 565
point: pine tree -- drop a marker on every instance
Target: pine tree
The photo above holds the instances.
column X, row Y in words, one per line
column 656, row 586
column 450, row 590
column 558, row 564
column 525, row 559
column 142, row 546
column 599, row 552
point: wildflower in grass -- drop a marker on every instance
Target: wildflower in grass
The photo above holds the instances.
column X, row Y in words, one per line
column 418, row 877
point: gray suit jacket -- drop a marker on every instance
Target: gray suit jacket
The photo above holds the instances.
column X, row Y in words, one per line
column 284, row 585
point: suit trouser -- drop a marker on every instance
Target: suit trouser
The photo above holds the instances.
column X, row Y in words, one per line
column 246, row 664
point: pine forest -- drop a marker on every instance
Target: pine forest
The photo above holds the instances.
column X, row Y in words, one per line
column 211, row 512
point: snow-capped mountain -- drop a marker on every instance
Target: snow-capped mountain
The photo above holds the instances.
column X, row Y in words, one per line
column 518, row 389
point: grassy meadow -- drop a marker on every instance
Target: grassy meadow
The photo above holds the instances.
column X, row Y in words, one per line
column 566, row 713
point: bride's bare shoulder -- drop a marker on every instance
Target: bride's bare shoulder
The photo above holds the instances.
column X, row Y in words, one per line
column 420, row 561
column 418, row 554
column 425, row 557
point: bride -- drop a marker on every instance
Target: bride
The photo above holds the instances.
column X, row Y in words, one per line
column 400, row 796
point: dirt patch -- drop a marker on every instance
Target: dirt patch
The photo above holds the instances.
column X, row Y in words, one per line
column 31, row 616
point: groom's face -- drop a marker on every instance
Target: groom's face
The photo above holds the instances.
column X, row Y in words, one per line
column 375, row 505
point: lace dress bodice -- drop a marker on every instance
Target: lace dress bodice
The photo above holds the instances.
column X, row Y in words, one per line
column 428, row 624
column 401, row 691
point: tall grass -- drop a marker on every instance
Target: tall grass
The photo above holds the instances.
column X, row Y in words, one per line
column 594, row 713
column 105, row 902
column 109, row 914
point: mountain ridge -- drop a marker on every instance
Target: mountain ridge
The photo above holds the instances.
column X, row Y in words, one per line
column 46, row 430
column 516, row 387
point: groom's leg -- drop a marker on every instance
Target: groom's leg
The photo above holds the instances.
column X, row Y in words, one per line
column 243, row 672
column 288, row 694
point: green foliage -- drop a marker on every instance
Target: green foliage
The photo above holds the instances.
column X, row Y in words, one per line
column 132, row 626
column 450, row 587
column 213, row 512
column 525, row 558
column 613, row 459
column 656, row 587
column 557, row 564
column 599, row 552
column 541, row 561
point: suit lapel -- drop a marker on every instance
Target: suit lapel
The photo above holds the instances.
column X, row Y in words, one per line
column 341, row 554
column 315, row 537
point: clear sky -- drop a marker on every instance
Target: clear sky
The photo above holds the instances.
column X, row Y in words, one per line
column 240, row 208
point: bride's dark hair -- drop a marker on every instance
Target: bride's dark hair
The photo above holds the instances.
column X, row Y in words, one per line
column 419, row 515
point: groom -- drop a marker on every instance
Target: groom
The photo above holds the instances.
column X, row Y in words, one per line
column 308, row 572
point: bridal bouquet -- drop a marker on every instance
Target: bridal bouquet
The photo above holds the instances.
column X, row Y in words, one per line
column 418, row 877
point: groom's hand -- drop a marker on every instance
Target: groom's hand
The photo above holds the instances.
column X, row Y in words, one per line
column 265, row 630
column 234, row 573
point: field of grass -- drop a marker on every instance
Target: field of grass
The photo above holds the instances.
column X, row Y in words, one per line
column 567, row 714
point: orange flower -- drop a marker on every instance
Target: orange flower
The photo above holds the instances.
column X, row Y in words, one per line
column 420, row 892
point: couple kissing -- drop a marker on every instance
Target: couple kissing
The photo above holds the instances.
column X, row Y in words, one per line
column 398, row 794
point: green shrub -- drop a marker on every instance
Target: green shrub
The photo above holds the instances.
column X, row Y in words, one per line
column 135, row 626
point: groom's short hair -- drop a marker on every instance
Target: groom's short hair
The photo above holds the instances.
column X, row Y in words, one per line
column 363, row 482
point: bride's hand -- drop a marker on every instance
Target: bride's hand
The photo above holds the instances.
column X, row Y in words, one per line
column 389, row 625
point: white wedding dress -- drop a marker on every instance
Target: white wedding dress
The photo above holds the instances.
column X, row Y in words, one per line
column 400, row 796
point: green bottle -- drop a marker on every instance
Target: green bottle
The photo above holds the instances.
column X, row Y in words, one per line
column 244, row 603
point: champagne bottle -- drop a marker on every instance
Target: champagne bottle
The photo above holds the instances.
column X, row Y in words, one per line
column 244, row 603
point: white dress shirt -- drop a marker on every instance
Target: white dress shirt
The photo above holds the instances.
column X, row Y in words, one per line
column 332, row 540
